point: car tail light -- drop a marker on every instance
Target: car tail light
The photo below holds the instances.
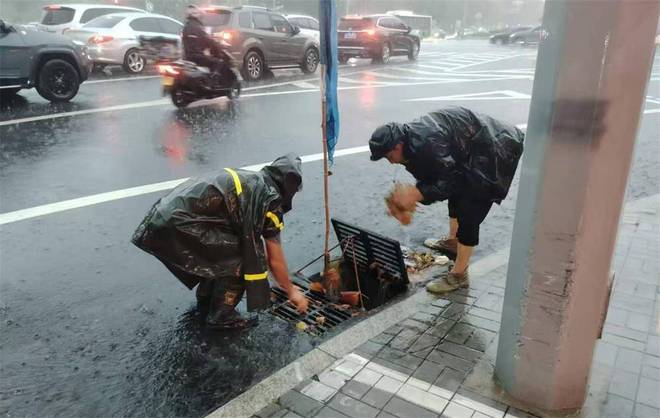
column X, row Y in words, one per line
column 224, row 35
column 54, row 7
column 370, row 32
column 167, row 69
column 100, row 39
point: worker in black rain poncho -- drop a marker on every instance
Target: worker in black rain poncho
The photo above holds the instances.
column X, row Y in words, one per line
column 455, row 154
column 208, row 232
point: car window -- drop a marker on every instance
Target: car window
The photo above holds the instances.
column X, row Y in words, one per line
column 145, row 24
column 313, row 24
column 398, row 24
column 168, row 26
column 216, row 18
column 355, row 24
column 95, row 12
column 280, row 24
column 55, row 15
column 388, row 23
column 298, row 22
column 104, row 22
column 244, row 20
column 262, row 21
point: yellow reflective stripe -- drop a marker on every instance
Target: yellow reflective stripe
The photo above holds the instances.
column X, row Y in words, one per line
column 237, row 181
column 279, row 225
column 259, row 276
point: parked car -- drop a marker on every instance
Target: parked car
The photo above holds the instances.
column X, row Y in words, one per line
column 33, row 58
column 60, row 18
column 527, row 37
column 308, row 25
column 260, row 39
column 503, row 37
column 113, row 39
column 378, row 37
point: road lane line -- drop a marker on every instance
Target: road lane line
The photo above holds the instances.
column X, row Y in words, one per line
column 486, row 62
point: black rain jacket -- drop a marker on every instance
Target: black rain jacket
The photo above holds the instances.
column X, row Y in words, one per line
column 455, row 151
column 196, row 40
column 212, row 226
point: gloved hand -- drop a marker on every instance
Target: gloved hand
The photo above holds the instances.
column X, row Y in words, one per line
column 298, row 300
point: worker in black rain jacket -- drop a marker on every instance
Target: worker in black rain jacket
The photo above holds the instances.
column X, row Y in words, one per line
column 210, row 232
column 455, row 154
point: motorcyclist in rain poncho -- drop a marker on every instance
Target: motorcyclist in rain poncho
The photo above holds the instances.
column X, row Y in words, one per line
column 210, row 232
column 457, row 155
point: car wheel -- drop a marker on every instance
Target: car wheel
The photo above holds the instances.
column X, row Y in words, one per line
column 235, row 90
column 413, row 53
column 98, row 68
column 385, row 54
column 58, row 81
column 343, row 59
column 134, row 63
column 253, row 66
column 310, row 61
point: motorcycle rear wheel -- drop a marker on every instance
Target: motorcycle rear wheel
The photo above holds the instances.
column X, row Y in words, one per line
column 178, row 98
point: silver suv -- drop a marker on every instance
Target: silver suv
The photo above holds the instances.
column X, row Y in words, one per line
column 260, row 39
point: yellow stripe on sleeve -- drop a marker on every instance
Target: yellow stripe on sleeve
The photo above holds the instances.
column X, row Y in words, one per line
column 279, row 225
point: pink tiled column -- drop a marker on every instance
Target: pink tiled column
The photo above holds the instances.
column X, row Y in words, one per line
column 591, row 76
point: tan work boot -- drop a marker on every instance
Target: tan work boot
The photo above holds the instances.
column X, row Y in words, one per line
column 447, row 246
column 449, row 283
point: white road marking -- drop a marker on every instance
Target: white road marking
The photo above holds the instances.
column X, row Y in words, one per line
column 146, row 77
column 486, row 62
column 487, row 95
column 304, row 85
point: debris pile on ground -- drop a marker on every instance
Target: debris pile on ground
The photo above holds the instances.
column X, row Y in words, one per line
column 420, row 260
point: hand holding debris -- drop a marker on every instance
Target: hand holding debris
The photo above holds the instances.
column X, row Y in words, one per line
column 402, row 202
column 298, row 300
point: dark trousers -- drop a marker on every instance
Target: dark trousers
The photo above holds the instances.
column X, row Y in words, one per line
column 470, row 213
column 221, row 294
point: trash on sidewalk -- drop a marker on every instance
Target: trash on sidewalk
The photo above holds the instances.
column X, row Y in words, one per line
column 419, row 260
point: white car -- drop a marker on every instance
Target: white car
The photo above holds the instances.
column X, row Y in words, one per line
column 60, row 18
column 114, row 39
column 307, row 24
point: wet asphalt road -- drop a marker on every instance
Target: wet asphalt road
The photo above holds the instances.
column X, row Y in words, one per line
column 91, row 326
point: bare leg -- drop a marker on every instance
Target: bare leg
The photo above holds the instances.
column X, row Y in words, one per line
column 453, row 228
column 462, row 259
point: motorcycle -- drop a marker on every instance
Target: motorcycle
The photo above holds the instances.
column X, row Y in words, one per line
column 187, row 82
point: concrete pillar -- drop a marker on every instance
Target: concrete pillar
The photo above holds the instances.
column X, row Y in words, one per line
column 591, row 74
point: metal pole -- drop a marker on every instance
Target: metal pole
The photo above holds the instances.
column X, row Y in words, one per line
column 326, row 192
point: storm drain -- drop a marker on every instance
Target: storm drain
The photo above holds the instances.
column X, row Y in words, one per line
column 373, row 265
column 321, row 316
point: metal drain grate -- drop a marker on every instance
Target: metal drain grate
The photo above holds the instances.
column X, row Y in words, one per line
column 319, row 307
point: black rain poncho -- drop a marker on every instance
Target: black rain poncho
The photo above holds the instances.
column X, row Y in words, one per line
column 455, row 151
column 211, row 227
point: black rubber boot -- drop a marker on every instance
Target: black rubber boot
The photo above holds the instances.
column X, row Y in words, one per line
column 204, row 295
column 229, row 318
column 227, row 292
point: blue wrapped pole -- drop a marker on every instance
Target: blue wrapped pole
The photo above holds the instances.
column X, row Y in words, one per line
column 329, row 106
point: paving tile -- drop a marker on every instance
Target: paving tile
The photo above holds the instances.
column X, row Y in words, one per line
column 645, row 411
column 369, row 349
column 269, row 411
column 280, row 413
column 460, row 333
column 651, row 372
column 418, row 383
column 480, row 339
column 428, row 372
column 443, row 303
column 480, row 403
column 388, row 384
column 426, row 400
column 481, row 322
column 384, row 414
column 441, row 328
column 624, row 342
column 617, row 316
column 626, row 332
column 486, row 314
column 490, row 301
column 300, row 404
column 651, row 360
column 349, row 367
column 638, row 322
column 423, row 353
column 649, row 392
column 617, row 407
column 517, row 413
column 333, row 379
column 352, row 407
column 605, row 353
column 424, row 342
column 385, row 368
column 424, row 317
column 355, row 389
column 383, row 338
column 328, row 412
column 405, row 339
column 291, row 414
column 460, row 351
column 624, row 384
column 318, row 391
column 367, row 377
column 461, row 298
column 480, row 415
column 629, row 360
column 414, row 325
column 455, row 311
column 377, row 398
column 449, row 360
column 393, row 330
column 404, row 409
column 400, row 358
column 432, row 310
column 653, row 345
column 448, row 381
column 454, row 410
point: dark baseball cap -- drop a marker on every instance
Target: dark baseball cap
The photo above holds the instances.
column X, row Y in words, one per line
column 385, row 138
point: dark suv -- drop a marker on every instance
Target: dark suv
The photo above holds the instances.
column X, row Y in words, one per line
column 378, row 37
column 50, row 62
column 260, row 39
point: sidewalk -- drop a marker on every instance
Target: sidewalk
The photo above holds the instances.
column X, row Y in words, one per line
column 439, row 360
